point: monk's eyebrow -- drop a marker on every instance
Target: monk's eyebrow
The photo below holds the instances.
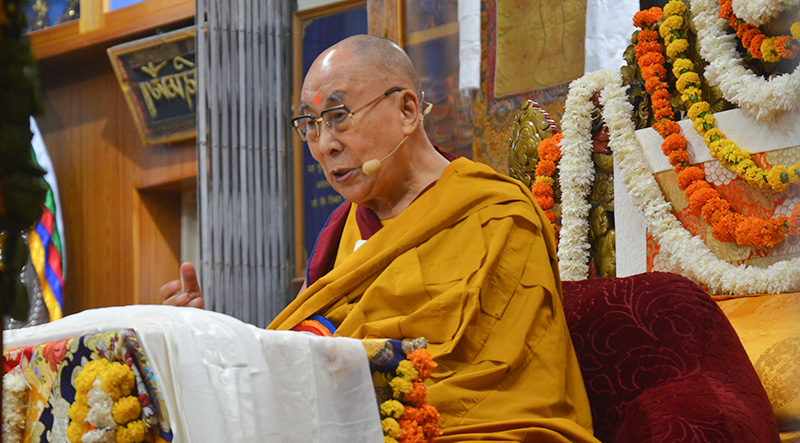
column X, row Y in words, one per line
column 334, row 99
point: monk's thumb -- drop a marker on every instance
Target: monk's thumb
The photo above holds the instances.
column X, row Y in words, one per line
column 189, row 276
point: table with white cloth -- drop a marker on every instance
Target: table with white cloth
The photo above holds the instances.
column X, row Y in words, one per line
column 209, row 377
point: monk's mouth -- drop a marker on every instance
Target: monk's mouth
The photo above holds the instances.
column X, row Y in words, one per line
column 341, row 175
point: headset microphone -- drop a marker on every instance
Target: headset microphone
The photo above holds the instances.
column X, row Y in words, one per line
column 371, row 166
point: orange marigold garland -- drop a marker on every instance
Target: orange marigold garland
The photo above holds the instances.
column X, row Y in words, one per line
column 761, row 47
column 542, row 189
column 726, row 225
column 407, row 417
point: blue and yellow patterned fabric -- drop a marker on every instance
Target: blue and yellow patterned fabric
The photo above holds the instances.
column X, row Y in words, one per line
column 50, row 370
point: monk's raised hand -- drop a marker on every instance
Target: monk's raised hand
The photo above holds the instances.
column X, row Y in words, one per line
column 191, row 294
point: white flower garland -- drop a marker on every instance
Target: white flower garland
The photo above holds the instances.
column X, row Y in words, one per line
column 576, row 170
column 760, row 12
column 15, row 405
column 760, row 98
column 99, row 416
column 686, row 253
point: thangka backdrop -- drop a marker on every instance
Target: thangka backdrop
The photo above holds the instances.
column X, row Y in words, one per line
column 532, row 51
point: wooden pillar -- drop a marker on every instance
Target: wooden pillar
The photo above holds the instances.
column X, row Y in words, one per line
column 92, row 16
column 386, row 19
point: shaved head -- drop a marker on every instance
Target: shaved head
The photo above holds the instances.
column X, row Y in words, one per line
column 383, row 55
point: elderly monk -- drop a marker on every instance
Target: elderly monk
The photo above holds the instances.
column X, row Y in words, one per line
column 434, row 247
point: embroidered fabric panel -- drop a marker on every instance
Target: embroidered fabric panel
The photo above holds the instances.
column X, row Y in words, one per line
column 51, row 368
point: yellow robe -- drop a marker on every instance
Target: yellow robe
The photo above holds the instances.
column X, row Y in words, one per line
column 471, row 267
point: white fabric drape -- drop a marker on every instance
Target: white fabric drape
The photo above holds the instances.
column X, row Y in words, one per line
column 227, row 381
column 609, row 26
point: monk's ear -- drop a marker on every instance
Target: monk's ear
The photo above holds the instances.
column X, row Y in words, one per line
column 410, row 109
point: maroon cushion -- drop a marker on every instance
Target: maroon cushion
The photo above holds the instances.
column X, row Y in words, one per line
column 662, row 363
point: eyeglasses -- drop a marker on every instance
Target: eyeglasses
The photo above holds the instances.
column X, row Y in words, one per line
column 338, row 119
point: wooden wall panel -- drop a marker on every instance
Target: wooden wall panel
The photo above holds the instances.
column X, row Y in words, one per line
column 103, row 170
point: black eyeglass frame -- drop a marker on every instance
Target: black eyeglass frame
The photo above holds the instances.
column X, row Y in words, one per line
column 302, row 121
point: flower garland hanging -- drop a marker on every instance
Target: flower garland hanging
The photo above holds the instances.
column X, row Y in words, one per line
column 760, row 12
column 727, row 226
column 407, row 417
column 761, row 98
column 730, row 156
column 15, row 404
column 542, row 189
column 685, row 252
column 761, row 47
column 104, row 411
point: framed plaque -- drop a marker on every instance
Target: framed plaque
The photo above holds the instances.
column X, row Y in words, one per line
column 158, row 78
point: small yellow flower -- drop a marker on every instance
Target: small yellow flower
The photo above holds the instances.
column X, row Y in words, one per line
column 701, row 125
column 713, row 147
column 796, row 30
column 132, row 432
column 78, row 411
column 118, row 380
column 391, row 427
column 126, row 409
column 406, row 369
column 92, row 370
column 75, row 431
column 387, row 439
column 670, row 24
column 542, row 179
column 743, row 167
column 392, row 408
column 400, row 387
column 680, row 65
column 778, row 178
column 675, row 7
column 768, row 52
column 794, row 173
column 697, row 109
column 689, row 92
column 712, row 133
column 687, row 79
column 676, row 47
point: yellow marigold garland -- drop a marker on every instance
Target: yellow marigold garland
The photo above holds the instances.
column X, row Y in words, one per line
column 116, row 381
column 769, row 49
column 702, row 197
column 408, row 418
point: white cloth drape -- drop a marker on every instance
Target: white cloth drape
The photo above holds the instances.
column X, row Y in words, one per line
column 227, row 381
column 609, row 26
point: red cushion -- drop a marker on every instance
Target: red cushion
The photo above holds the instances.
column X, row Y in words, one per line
column 662, row 363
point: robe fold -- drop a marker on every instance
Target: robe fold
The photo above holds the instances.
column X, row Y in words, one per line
column 470, row 266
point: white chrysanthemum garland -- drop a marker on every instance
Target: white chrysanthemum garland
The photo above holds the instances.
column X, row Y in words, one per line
column 685, row 253
column 15, row 405
column 760, row 12
column 576, row 170
column 760, row 98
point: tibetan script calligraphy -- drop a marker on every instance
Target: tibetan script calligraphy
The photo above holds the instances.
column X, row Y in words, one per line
column 181, row 84
column 159, row 79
